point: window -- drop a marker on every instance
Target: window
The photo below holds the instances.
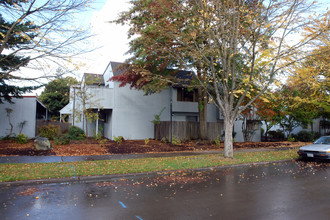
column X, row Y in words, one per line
column 103, row 116
column 192, row 118
column 185, row 95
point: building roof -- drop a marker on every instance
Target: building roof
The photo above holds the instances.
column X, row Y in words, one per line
column 184, row 77
column 29, row 96
column 66, row 109
column 117, row 68
column 94, row 79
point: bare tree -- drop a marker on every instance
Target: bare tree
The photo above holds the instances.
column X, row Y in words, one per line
column 37, row 34
column 88, row 105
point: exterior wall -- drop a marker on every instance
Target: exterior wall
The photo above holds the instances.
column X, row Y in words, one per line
column 179, row 117
column 212, row 112
column 23, row 110
column 315, row 127
column 102, row 97
column 238, row 129
column 97, row 97
column 108, row 73
column 189, row 107
column 130, row 112
column 133, row 112
column 257, row 135
column 108, row 126
column 239, row 134
column 183, row 109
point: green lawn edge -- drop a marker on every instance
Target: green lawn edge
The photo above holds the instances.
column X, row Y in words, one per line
column 36, row 171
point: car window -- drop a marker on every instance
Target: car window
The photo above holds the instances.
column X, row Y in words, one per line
column 323, row 140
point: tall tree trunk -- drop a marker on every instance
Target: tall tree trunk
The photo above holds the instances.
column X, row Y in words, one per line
column 202, row 111
column 228, row 148
column 85, row 120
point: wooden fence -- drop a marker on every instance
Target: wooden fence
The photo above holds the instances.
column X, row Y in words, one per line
column 64, row 127
column 186, row 130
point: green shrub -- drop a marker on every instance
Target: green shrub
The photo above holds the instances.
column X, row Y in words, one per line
column 22, row 139
column 146, row 141
column 61, row 140
column 176, row 140
column 165, row 140
column 306, row 136
column 98, row 136
column 276, row 135
column 217, row 140
column 291, row 139
column 49, row 131
column 75, row 133
column 118, row 139
column 103, row 141
column 156, row 121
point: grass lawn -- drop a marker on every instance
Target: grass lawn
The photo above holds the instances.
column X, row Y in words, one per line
column 29, row 171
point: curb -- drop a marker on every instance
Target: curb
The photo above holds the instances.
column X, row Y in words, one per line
column 60, row 159
column 86, row 179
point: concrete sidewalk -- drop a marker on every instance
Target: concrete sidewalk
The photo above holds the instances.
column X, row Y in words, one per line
column 54, row 159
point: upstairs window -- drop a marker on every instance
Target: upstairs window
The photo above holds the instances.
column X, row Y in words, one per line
column 185, row 95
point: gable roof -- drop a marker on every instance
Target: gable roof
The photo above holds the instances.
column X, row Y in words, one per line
column 67, row 109
column 183, row 76
column 115, row 66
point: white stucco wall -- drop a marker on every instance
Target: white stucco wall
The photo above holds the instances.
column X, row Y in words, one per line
column 315, row 128
column 239, row 134
column 108, row 73
column 102, row 97
column 212, row 113
column 108, row 126
column 23, row 110
column 133, row 112
column 130, row 112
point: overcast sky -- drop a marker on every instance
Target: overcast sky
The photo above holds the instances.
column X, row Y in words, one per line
column 110, row 37
column 113, row 38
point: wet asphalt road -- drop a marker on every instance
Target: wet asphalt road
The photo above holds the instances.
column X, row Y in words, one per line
column 288, row 190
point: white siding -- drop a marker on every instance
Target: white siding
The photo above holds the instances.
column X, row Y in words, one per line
column 108, row 73
column 102, row 97
column 23, row 110
column 133, row 112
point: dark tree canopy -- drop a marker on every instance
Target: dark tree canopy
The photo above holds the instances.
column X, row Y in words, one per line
column 11, row 61
column 57, row 94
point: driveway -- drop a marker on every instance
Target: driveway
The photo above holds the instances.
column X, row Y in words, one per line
column 290, row 190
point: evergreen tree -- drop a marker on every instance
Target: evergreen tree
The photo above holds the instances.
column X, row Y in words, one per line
column 21, row 35
column 57, row 94
column 36, row 34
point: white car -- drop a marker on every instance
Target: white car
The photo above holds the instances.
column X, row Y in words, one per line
column 319, row 149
